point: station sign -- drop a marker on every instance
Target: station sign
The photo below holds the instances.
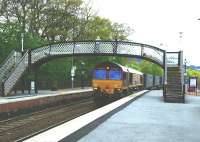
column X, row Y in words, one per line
column 193, row 82
column 32, row 85
column 73, row 69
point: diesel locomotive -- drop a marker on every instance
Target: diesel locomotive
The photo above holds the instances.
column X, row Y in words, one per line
column 112, row 80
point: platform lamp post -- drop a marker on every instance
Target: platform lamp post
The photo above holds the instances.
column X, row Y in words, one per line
column 22, row 53
column 185, row 76
column 73, row 68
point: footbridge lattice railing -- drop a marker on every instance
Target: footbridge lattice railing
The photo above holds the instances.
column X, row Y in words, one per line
column 9, row 64
column 100, row 48
column 16, row 74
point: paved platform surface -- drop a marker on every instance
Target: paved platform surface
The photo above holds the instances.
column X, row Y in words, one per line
column 149, row 119
column 41, row 93
column 65, row 131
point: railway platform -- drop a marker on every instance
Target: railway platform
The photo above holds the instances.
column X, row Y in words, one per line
column 23, row 103
column 41, row 94
column 150, row 120
column 147, row 119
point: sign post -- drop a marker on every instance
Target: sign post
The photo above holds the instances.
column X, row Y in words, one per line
column 32, row 88
column 22, row 42
column 73, row 75
column 192, row 85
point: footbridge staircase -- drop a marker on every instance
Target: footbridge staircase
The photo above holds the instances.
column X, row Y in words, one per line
column 8, row 67
column 175, row 78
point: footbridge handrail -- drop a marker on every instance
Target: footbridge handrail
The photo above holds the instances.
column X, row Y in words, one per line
column 99, row 47
column 9, row 63
column 16, row 73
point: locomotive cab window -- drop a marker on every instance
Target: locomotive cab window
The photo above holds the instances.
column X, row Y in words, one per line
column 115, row 75
column 100, row 74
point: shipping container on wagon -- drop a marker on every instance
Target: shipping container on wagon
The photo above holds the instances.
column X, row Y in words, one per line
column 157, row 81
column 148, row 81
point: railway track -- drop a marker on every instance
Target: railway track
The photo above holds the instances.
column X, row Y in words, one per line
column 18, row 128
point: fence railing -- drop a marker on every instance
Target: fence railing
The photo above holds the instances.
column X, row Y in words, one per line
column 16, row 74
column 9, row 64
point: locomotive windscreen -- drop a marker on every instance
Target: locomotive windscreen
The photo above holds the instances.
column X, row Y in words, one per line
column 114, row 75
column 100, row 74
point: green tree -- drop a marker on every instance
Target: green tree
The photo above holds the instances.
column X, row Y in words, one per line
column 44, row 21
column 194, row 73
column 120, row 31
column 9, row 37
column 151, row 68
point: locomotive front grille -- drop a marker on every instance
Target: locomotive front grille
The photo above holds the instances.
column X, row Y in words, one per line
column 107, row 86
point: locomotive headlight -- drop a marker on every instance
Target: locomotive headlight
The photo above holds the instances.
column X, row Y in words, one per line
column 118, row 89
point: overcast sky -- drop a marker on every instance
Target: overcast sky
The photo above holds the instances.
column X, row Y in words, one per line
column 158, row 22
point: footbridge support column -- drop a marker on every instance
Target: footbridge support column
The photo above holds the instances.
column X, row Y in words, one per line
column 2, row 89
column 165, row 75
column 36, row 80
